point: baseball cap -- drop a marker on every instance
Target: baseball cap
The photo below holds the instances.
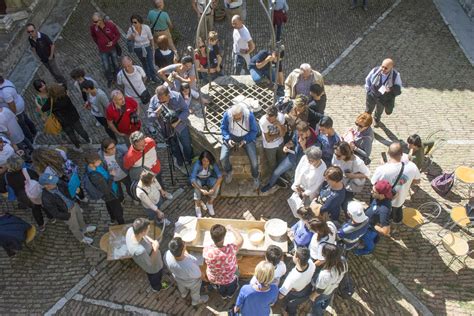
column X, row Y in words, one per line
column 47, row 178
column 356, row 211
column 384, row 187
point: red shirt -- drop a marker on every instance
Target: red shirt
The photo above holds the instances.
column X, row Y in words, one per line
column 221, row 263
column 112, row 113
column 133, row 158
column 111, row 34
column 202, row 59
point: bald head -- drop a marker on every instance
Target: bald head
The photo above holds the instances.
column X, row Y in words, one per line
column 126, row 62
column 387, row 65
column 237, row 22
column 395, row 151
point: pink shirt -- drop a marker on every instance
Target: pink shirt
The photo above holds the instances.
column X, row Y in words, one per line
column 221, row 263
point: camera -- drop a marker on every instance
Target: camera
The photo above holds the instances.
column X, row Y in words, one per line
column 169, row 116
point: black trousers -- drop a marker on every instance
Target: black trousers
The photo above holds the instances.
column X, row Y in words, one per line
column 397, row 214
column 72, row 129
column 36, row 209
column 155, row 280
column 114, row 207
column 103, row 122
column 379, row 105
column 127, row 182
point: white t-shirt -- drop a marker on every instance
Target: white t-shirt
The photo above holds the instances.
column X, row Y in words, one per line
column 296, row 280
column 136, row 78
column 143, row 39
column 113, row 165
column 352, row 166
column 329, row 280
column 268, row 127
column 390, row 171
column 280, row 270
column 6, row 152
column 241, row 38
column 9, row 94
column 8, row 123
column 308, row 177
column 316, row 246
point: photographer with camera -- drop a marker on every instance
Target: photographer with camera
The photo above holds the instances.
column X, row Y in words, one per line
column 123, row 115
column 172, row 111
column 239, row 129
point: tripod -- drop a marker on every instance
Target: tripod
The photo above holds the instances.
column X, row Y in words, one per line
column 168, row 134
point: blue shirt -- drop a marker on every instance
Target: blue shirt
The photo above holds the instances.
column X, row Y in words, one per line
column 258, row 58
column 256, row 303
column 351, row 233
column 302, row 234
column 197, row 168
column 379, row 212
column 326, row 144
column 332, row 201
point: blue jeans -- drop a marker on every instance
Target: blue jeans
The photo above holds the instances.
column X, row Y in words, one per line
column 259, row 76
column 320, row 305
column 370, row 238
column 27, row 126
column 147, row 62
column 285, row 165
column 184, row 138
column 279, row 28
column 239, row 64
column 110, row 64
column 251, row 150
column 152, row 214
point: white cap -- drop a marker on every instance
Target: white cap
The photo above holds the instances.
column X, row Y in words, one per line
column 356, row 211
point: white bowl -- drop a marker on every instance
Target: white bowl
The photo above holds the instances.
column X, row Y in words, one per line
column 275, row 228
column 188, row 235
column 255, row 236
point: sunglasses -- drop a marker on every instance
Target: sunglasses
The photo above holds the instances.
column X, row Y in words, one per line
column 95, row 22
column 135, row 22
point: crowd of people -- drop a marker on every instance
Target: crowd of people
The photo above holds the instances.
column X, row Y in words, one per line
column 326, row 169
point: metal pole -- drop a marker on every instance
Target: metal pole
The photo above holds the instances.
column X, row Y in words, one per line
column 203, row 16
column 273, row 45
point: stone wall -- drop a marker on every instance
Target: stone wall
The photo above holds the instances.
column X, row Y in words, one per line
column 468, row 6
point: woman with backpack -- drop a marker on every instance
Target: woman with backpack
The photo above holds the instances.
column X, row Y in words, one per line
column 334, row 269
column 206, row 179
column 19, row 181
column 100, row 184
column 149, row 191
column 112, row 155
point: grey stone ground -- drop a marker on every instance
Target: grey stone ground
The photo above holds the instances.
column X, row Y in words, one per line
column 438, row 95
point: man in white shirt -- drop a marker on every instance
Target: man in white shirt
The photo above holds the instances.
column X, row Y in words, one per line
column 242, row 47
column 273, row 128
column 400, row 176
column 382, row 85
column 10, row 98
column 185, row 270
column 309, row 175
column 9, row 125
column 132, row 78
column 297, row 285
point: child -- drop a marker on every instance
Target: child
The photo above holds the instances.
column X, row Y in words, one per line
column 274, row 255
column 318, row 98
column 299, row 233
column 418, row 149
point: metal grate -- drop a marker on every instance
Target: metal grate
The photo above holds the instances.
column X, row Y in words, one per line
column 221, row 97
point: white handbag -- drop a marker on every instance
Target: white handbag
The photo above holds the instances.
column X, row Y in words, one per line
column 32, row 188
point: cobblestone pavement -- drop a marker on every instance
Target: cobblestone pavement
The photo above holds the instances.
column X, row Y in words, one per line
column 438, row 95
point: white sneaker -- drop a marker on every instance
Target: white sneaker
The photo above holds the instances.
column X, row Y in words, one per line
column 168, row 196
column 84, row 200
column 210, row 209
column 198, row 212
column 90, row 229
column 87, row 240
column 98, row 124
column 228, row 177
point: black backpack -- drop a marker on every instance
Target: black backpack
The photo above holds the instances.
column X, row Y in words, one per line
column 133, row 189
column 346, row 287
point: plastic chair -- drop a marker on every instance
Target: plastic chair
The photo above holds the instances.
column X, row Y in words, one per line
column 454, row 243
column 459, row 217
column 465, row 175
column 426, row 212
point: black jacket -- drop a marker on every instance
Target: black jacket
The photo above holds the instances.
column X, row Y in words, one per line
column 102, row 185
column 54, row 204
column 63, row 109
